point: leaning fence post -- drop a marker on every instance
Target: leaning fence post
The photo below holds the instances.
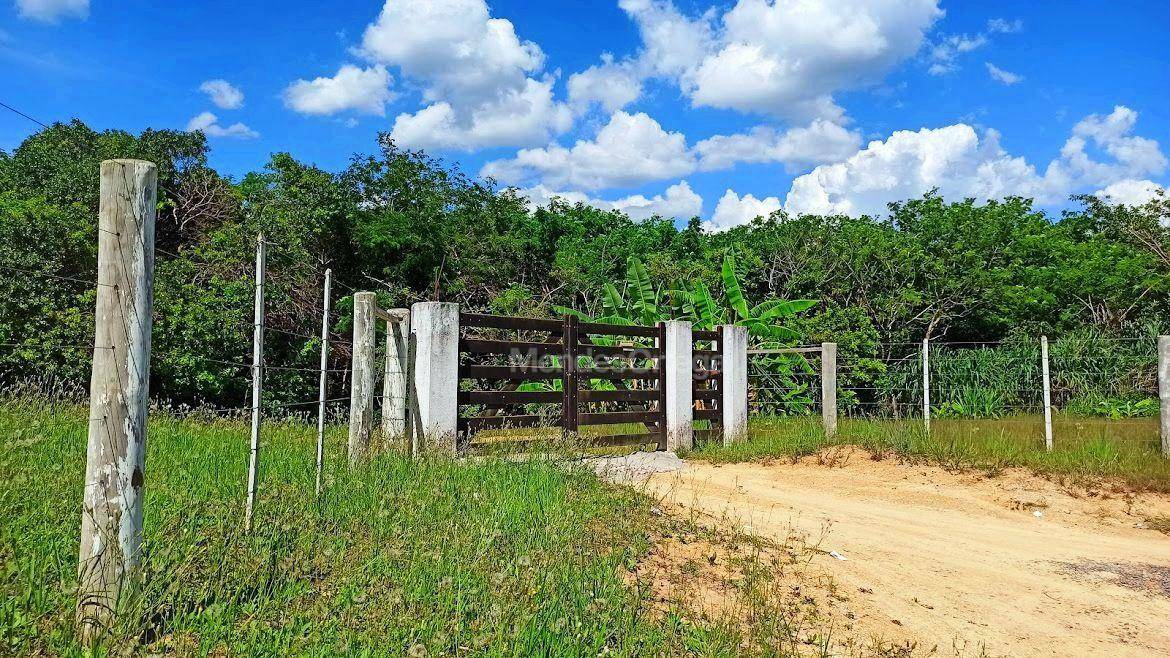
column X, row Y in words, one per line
column 257, row 379
column 926, row 385
column 1047, row 388
column 829, row 388
column 733, row 340
column 361, row 392
column 434, row 328
column 111, row 520
column 394, row 387
column 1164, row 391
column 323, row 384
column 680, row 374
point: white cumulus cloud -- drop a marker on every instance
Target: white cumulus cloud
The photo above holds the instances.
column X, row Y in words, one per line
column 678, row 201
column 1131, row 192
column 51, row 11
column 610, row 85
column 959, row 163
column 734, row 210
column 366, row 91
column 634, row 148
column 223, row 94
column 209, row 124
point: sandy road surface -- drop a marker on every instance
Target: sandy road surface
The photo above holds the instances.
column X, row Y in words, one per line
column 962, row 562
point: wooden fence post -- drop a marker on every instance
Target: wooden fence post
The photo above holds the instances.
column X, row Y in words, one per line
column 257, row 380
column 111, row 520
column 361, row 396
column 1164, row 391
column 1047, row 387
column 323, row 384
column 926, row 385
column 829, row 388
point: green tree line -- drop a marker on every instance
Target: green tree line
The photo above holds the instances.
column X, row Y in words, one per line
column 413, row 227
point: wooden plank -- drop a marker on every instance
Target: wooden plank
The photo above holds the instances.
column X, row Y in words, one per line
column 510, row 397
column 569, row 385
column 704, row 354
column 598, row 328
column 706, row 394
column 626, row 351
column 708, row 414
column 705, row 334
column 509, row 322
column 616, row 417
column 528, row 349
column 509, row 372
column 496, row 422
column 643, row 395
column 618, row 373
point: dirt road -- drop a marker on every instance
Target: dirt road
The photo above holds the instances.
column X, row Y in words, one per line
column 1013, row 565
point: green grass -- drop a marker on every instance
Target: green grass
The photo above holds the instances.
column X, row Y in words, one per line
column 428, row 557
column 424, row 557
column 1087, row 451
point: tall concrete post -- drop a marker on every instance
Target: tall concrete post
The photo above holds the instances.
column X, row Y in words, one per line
column 257, row 380
column 361, row 393
column 1047, row 388
column 829, row 388
column 111, row 514
column 735, row 406
column 434, row 330
column 926, row 385
column 394, row 385
column 1164, row 390
column 680, row 405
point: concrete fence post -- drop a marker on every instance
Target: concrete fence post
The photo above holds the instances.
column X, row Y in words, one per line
column 829, row 388
column 434, row 330
column 257, row 380
column 395, row 420
column 680, row 405
column 733, row 340
column 361, row 393
column 111, row 519
column 1164, row 391
column 926, row 385
column 323, row 380
column 1047, row 389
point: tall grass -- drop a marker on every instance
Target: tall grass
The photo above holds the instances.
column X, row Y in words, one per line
column 1097, row 452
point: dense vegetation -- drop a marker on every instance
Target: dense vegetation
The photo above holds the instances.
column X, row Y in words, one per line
column 413, row 227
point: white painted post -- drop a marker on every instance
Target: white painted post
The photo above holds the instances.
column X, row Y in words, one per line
column 361, row 395
column 680, row 405
column 829, row 388
column 322, row 386
column 394, row 416
column 1164, row 391
column 926, row 385
column 735, row 408
column 434, row 330
column 111, row 519
column 1047, row 386
column 257, row 379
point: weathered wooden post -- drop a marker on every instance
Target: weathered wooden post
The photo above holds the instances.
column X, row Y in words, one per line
column 679, row 373
column 111, row 519
column 829, row 388
column 394, row 384
column 1164, row 391
column 257, row 379
column 733, row 340
column 361, row 396
column 926, row 385
column 434, row 329
column 323, row 384
column 1047, row 387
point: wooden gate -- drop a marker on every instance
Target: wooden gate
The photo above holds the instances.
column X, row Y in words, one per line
column 706, row 389
column 597, row 374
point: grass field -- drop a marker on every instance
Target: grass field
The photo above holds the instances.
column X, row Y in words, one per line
column 484, row 557
column 1086, row 450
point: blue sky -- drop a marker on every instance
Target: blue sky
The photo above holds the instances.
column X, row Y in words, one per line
column 722, row 110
